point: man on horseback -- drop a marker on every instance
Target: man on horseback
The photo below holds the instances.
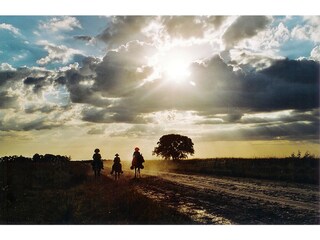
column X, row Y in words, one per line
column 137, row 159
column 97, row 159
column 116, row 167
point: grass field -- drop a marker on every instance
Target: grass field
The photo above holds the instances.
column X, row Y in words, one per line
column 66, row 192
column 284, row 169
column 46, row 193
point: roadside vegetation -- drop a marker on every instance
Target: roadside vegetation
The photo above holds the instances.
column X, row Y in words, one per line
column 295, row 168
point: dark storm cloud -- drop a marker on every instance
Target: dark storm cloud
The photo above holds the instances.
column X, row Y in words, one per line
column 80, row 91
column 118, row 74
column 286, row 84
column 95, row 115
column 218, row 90
column 9, row 76
column 38, row 124
column 297, row 131
column 6, row 75
column 292, row 71
column 123, row 29
column 37, row 82
column 41, row 109
column 216, row 21
column 294, row 116
column 7, row 101
column 83, row 38
column 283, row 85
column 183, row 26
column 18, row 125
column 244, row 27
column 8, row 80
column 118, row 115
column 190, row 26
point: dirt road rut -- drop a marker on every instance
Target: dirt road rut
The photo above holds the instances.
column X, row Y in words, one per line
column 223, row 200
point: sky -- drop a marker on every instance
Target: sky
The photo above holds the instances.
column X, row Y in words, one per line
column 237, row 85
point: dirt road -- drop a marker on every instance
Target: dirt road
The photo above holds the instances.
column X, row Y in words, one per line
column 223, row 200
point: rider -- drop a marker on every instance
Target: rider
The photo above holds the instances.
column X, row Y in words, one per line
column 137, row 159
column 116, row 161
column 97, row 158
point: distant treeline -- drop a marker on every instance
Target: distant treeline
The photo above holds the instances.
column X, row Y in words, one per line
column 36, row 158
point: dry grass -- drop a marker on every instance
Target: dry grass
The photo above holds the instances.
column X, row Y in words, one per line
column 42, row 193
column 284, row 169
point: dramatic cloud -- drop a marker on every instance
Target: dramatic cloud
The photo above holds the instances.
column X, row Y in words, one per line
column 286, row 84
column 135, row 78
column 56, row 53
column 6, row 67
column 310, row 30
column 6, row 100
column 315, row 54
column 190, row 26
column 60, row 24
column 124, row 29
column 244, row 27
column 183, row 26
column 122, row 71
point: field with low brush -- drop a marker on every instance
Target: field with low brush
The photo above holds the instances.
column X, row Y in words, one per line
column 68, row 193
column 202, row 191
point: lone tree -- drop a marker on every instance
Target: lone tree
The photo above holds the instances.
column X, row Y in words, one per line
column 174, row 146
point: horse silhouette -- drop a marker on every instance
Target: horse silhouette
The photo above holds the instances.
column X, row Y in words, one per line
column 97, row 163
column 116, row 167
column 96, row 167
column 137, row 165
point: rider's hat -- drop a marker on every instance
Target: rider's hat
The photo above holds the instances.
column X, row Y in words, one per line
column 97, row 150
column 117, row 154
column 137, row 149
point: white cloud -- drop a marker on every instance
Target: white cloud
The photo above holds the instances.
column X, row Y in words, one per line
column 61, row 24
column 10, row 28
column 315, row 54
column 6, row 67
column 56, row 53
column 308, row 31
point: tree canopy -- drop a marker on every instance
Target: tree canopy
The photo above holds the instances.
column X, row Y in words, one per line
column 174, row 146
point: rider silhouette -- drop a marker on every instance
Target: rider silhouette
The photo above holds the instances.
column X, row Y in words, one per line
column 137, row 159
column 116, row 161
column 97, row 158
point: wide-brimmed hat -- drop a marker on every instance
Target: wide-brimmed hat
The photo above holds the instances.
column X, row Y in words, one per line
column 137, row 149
column 117, row 154
column 97, row 150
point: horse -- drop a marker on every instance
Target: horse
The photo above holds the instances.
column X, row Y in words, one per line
column 96, row 167
column 117, row 169
column 137, row 165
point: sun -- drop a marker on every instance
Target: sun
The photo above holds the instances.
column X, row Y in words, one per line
column 172, row 66
column 176, row 70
